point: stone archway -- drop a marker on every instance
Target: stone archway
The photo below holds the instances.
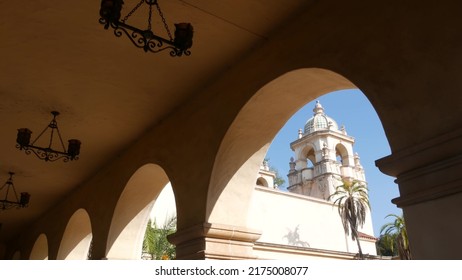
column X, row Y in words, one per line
column 16, row 255
column 244, row 147
column 132, row 212
column 77, row 237
column 40, row 248
column 239, row 158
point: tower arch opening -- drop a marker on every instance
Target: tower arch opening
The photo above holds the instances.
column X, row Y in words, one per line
column 343, row 156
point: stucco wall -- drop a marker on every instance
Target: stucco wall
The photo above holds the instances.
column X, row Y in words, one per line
column 277, row 215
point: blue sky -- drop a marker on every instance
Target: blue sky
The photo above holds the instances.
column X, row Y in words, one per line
column 352, row 109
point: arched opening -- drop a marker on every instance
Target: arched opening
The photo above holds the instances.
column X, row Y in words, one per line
column 262, row 182
column 310, row 158
column 342, row 156
column 16, row 255
column 238, row 159
column 370, row 143
column 260, row 120
column 77, row 236
column 132, row 212
column 40, row 249
column 162, row 223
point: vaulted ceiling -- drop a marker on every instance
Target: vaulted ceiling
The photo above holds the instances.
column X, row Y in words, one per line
column 55, row 55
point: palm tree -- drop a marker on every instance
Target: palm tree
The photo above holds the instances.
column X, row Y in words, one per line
column 352, row 201
column 397, row 229
column 155, row 241
column 386, row 245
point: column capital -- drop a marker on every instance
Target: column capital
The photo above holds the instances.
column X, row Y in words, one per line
column 428, row 170
column 215, row 241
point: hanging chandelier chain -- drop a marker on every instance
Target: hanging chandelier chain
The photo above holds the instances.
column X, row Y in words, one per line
column 53, row 125
column 132, row 11
column 164, row 21
column 150, row 18
column 61, row 140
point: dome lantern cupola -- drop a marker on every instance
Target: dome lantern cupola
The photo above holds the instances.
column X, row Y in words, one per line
column 319, row 121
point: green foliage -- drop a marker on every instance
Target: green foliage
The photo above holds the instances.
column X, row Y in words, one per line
column 279, row 181
column 386, row 245
column 397, row 231
column 352, row 200
column 155, row 241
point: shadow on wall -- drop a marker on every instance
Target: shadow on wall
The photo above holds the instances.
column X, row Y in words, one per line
column 293, row 238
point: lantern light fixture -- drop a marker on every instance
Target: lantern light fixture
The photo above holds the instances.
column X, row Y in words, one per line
column 48, row 153
column 178, row 45
column 9, row 190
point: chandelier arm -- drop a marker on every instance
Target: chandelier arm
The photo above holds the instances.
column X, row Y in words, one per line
column 177, row 52
column 153, row 44
column 64, row 157
column 46, row 154
column 136, row 37
column 161, row 49
column 6, row 204
column 141, row 32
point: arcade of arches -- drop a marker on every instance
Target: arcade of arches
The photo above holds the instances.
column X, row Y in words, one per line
column 405, row 57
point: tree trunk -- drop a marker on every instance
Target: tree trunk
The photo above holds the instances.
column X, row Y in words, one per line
column 355, row 235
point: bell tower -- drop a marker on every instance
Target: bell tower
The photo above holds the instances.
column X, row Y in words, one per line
column 323, row 157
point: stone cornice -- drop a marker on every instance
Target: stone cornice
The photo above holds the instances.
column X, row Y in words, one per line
column 219, row 231
column 431, row 151
column 426, row 171
column 309, row 252
column 214, row 241
column 334, row 133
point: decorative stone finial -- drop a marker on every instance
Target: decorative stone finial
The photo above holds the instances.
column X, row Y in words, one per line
column 356, row 158
column 292, row 164
column 318, row 109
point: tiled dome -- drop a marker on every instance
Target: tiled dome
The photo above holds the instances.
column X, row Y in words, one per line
column 320, row 121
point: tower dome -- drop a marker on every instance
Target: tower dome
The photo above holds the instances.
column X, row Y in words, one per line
column 319, row 121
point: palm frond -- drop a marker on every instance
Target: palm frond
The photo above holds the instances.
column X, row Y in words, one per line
column 397, row 229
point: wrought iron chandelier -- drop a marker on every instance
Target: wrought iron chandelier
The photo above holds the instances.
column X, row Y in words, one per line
column 48, row 153
column 9, row 190
column 110, row 13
